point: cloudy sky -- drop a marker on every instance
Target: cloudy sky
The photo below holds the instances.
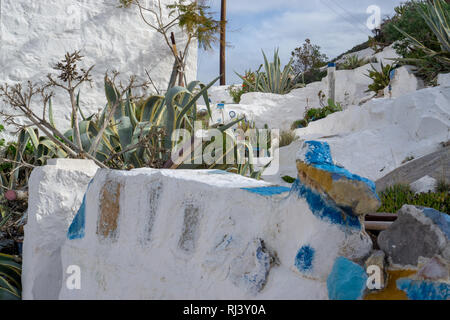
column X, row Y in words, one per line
column 335, row 25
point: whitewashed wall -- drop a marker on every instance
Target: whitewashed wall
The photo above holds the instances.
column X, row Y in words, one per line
column 36, row 34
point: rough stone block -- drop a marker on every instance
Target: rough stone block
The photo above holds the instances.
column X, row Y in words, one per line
column 350, row 192
column 202, row 235
column 418, row 232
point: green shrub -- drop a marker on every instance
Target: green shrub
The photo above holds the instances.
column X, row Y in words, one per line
column 288, row 179
column 381, row 79
column 408, row 19
column 314, row 114
column 299, row 124
column 393, row 198
column 423, row 34
column 308, row 57
column 312, row 75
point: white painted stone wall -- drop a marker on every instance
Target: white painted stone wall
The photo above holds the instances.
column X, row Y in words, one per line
column 56, row 192
column 403, row 82
column 177, row 234
column 374, row 139
column 36, row 34
column 180, row 234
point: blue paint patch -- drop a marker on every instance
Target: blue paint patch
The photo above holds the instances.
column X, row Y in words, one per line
column 318, row 153
column 319, row 156
column 347, row 280
column 442, row 220
column 424, row 290
column 76, row 229
column 323, row 209
column 250, row 270
column 268, row 191
column 258, row 280
column 304, row 259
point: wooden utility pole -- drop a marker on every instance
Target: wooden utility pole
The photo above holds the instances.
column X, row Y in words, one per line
column 223, row 21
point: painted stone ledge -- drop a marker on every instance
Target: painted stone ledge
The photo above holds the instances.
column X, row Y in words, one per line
column 208, row 234
column 186, row 234
column 351, row 193
column 55, row 193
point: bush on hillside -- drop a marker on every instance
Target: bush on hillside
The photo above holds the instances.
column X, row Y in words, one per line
column 409, row 20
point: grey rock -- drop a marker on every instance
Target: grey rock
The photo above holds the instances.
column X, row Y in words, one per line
column 411, row 236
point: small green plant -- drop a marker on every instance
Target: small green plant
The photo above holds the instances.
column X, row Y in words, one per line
column 395, row 197
column 299, row 124
column 286, row 138
column 381, row 79
column 314, row 114
column 288, row 179
column 352, row 62
column 308, row 57
column 10, row 277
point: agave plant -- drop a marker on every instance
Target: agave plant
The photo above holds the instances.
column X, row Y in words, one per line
column 139, row 133
column 19, row 158
column 436, row 14
column 125, row 134
column 10, row 278
column 273, row 79
column 352, row 62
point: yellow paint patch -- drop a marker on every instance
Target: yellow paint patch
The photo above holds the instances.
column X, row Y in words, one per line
column 391, row 292
column 316, row 178
column 109, row 210
column 345, row 192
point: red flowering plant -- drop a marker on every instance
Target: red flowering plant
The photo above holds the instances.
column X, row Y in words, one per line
column 250, row 78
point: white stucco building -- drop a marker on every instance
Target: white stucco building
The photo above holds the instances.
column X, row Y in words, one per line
column 34, row 35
